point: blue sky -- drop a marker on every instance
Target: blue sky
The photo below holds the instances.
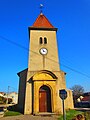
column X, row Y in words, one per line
column 71, row 17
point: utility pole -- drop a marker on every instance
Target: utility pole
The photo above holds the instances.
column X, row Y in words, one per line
column 7, row 95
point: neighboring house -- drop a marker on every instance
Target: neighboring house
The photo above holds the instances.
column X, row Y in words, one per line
column 2, row 93
column 13, row 96
column 80, row 98
column 84, row 100
column 2, row 98
column 87, row 94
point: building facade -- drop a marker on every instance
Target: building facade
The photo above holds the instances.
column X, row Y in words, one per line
column 14, row 97
column 40, row 83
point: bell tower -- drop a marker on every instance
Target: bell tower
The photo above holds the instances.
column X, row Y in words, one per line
column 43, row 53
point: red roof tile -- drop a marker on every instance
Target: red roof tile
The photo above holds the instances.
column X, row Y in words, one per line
column 86, row 98
column 42, row 22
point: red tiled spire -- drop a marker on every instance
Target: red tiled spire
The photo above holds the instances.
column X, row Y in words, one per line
column 42, row 22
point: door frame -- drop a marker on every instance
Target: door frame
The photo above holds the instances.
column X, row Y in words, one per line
column 47, row 90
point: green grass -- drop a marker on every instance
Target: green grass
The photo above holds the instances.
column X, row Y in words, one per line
column 87, row 115
column 11, row 113
column 70, row 114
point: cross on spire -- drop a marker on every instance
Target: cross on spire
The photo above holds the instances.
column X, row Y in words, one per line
column 41, row 8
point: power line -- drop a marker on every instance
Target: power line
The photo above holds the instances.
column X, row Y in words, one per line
column 14, row 43
column 75, row 70
column 70, row 68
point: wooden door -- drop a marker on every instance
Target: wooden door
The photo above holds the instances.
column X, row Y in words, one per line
column 42, row 101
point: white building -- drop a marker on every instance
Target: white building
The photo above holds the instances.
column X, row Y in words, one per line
column 13, row 96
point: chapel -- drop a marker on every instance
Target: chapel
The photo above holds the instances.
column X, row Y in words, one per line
column 40, row 83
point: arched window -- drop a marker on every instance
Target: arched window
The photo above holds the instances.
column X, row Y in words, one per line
column 45, row 40
column 40, row 40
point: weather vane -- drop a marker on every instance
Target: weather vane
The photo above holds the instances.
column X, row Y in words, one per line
column 41, row 8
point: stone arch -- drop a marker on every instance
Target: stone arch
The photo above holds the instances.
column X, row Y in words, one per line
column 50, row 73
column 44, row 75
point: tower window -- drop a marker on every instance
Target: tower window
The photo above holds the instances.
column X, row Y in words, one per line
column 40, row 40
column 45, row 40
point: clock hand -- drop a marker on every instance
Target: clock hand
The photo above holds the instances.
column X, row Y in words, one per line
column 43, row 50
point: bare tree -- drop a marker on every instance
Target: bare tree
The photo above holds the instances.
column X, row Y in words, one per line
column 77, row 90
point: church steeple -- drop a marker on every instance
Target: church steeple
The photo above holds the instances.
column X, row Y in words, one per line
column 42, row 22
column 43, row 41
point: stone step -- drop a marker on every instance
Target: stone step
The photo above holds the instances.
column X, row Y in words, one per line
column 45, row 114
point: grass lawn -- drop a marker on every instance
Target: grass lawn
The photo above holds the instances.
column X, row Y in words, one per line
column 11, row 113
column 70, row 114
column 87, row 114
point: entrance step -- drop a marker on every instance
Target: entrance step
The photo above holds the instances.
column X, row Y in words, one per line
column 45, row 114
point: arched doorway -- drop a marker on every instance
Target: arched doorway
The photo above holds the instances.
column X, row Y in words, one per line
column 45, row 99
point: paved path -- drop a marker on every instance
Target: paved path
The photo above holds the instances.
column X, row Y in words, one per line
column 30, row 117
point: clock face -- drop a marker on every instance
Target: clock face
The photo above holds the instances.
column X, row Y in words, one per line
column 43, row 51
